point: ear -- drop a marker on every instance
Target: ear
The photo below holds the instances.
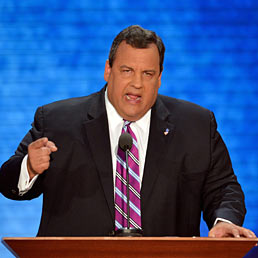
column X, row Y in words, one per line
column 107, row 71
column 160, row 79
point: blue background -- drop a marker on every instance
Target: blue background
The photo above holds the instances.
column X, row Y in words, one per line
column 50, row 50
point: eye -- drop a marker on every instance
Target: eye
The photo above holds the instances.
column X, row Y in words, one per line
column 126, row 70
column 148, row 74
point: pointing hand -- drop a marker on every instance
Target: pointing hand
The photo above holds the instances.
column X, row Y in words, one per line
column 39, row 156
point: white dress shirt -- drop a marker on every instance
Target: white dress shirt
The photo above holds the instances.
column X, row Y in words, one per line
column 24, row 183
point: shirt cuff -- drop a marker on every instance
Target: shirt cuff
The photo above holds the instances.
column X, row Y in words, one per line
column 221, row 219
column 24, row 183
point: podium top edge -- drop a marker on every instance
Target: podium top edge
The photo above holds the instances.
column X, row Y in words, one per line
column 229, row 239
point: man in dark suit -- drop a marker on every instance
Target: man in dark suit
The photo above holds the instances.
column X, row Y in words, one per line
column 70, row 153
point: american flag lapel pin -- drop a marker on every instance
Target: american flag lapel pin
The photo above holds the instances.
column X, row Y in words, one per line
column 166, row 132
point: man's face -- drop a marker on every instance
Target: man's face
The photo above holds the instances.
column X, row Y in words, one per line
column 134, row 80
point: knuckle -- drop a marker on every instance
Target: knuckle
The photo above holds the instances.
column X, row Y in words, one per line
column 45, row 150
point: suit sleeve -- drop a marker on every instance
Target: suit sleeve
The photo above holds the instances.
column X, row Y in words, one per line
column 222, row 194
column 10, row 170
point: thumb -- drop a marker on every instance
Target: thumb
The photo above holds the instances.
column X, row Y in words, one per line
column 211, row 234
column 51, row 145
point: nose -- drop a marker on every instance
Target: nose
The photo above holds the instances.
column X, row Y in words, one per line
column 137, row 80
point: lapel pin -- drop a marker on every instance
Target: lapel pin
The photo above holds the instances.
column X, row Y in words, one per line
column 166, row 132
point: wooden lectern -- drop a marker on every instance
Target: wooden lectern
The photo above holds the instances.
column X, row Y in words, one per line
column 160, row 247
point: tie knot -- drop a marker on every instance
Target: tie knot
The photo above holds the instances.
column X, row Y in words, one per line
column 126, row 124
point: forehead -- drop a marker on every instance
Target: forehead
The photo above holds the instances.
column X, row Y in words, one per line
column 126, row 55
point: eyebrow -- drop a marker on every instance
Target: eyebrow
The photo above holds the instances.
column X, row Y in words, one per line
column 150, row 71
column 125, row 66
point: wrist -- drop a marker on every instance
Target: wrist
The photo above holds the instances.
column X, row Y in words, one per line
column 31, row 171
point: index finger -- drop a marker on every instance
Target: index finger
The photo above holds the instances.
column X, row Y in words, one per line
column 235, row 232
column 248, row 233
column 39, row 143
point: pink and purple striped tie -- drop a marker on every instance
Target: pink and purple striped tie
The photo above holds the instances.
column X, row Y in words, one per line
column 134, row 185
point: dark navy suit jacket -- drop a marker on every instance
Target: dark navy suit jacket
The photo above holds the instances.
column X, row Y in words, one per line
column 186, row 171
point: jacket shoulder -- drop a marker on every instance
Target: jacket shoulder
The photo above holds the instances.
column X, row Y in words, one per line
column 72, row 111
column 72, row 103
column 179, row 105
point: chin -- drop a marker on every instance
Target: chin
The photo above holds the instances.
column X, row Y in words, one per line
column 133, row 117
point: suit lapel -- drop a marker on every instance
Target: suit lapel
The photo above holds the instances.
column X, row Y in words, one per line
column 161, row 133
column 97, row 132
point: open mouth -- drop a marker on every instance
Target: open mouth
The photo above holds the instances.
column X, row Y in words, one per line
column 132, row 97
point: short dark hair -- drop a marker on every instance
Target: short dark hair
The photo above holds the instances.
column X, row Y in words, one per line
column 137, row 37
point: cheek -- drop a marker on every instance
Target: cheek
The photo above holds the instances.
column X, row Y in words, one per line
column 119, row 87
column 115, row 92
column 152, row 95
column 152, row 90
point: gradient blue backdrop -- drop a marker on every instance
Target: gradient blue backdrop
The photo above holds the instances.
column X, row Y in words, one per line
column 50, row 50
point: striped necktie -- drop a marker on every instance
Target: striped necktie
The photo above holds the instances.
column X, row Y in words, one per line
column 134, row 185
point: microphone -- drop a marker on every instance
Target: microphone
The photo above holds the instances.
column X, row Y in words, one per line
column 125, row 143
